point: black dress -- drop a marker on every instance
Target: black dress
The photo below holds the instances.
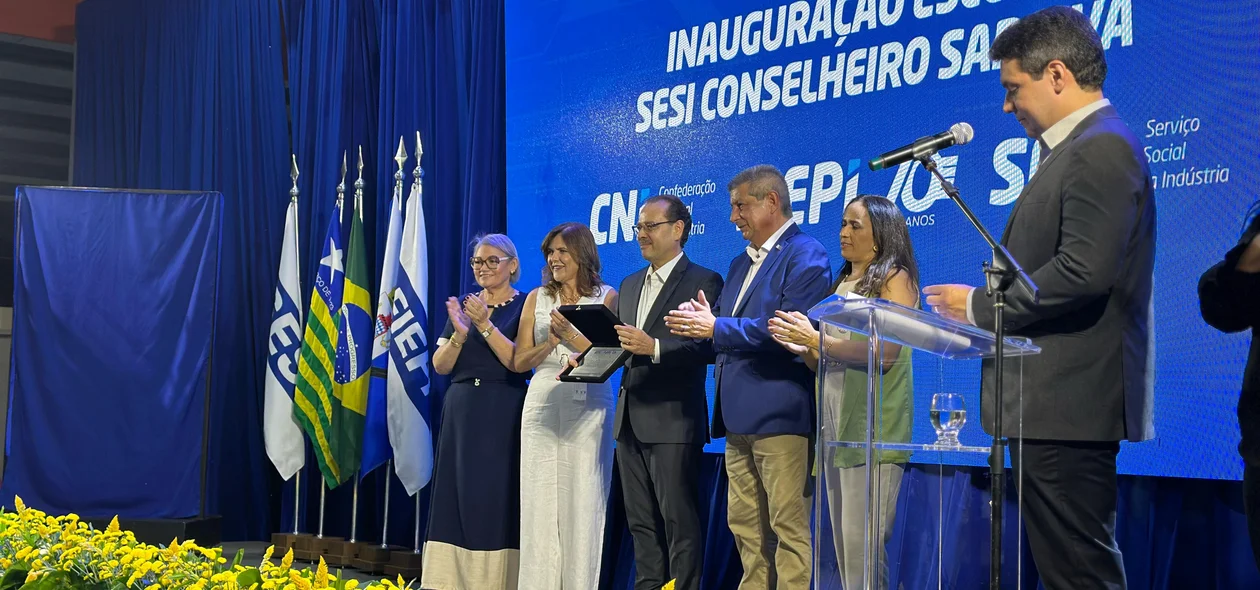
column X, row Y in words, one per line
column 474, row 518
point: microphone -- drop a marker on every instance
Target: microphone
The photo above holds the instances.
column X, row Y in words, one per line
column 959, row 134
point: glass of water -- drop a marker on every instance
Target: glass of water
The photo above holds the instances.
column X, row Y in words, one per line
column 948, row 415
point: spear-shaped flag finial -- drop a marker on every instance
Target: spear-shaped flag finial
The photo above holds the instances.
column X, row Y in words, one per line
column 341, row 186
column 418, row 172
column 293, row 173
column 401, row 158
column 358, row 184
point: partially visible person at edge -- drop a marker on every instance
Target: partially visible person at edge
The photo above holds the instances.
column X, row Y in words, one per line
column 1229, row 299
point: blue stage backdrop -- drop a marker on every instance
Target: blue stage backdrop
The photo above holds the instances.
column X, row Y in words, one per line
column 114, row 312
column 610, row 102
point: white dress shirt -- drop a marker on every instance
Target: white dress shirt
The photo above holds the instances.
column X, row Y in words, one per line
column 652, row 283
column 758, row 255
column 1050, row 139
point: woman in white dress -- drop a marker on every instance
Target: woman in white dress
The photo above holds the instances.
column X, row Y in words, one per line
column 566, row 428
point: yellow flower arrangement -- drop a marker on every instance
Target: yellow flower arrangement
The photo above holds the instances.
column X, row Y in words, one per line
column 39, row 552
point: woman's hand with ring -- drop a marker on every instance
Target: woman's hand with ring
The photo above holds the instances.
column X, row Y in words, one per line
column 793, row 328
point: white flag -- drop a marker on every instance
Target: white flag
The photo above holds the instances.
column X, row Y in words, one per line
column 376, row 447
column 408, row 397
column 281, row 433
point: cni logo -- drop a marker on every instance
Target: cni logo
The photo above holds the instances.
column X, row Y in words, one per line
column 623, row 211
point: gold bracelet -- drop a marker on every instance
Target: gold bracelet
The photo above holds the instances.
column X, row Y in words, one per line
column 455, row 343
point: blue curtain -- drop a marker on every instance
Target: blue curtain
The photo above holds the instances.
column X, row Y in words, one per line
column 94, row 362
column 369, row 72
column 189, row 95
column 332, row 72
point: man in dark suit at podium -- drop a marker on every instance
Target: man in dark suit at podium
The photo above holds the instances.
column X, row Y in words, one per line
column 661, row 424
column 1084, row 229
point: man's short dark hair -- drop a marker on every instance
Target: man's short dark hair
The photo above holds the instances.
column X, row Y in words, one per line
column 676, row 211
column 761, row 180
column 1057, row 32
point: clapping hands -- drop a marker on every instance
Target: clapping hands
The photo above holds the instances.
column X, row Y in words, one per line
column 692, row 319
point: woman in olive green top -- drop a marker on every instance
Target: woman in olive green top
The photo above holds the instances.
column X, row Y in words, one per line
column 879, row 262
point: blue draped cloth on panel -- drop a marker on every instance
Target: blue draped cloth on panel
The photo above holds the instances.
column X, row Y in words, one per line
column 114, row 310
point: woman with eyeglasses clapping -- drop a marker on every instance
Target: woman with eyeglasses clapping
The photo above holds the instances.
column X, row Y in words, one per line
column 474, row 518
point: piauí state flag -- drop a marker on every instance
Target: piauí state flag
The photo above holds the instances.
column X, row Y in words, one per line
column 314, row 403
column 408, row 392
column 281, row 433
column 376, row 450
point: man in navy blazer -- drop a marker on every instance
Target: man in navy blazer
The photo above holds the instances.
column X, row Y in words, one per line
column 765, row 394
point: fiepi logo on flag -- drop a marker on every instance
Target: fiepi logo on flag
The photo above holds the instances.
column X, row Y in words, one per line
column 408, row 329
column 285, row 340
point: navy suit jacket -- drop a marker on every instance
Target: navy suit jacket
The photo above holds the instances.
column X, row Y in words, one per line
column 761, row 387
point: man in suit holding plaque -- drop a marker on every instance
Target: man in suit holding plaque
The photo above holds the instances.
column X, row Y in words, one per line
column 765, row 394
column 1084, row 228
column 661, row 424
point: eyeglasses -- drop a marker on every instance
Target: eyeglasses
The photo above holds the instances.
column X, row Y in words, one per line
column 491, row 263
column 642, row 227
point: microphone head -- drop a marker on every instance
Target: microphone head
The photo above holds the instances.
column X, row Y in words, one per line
column 962, row 133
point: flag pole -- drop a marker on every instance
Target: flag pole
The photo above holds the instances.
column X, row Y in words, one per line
column 418, row 175
column 408, row 561
column 354, row 511
column 323, row 493
column 389, row 469
column 300, row 544
column 293, row 195
column 297, row 500
column 358, row 210
column 400, row 157
column 341, row 192
column 417, row 521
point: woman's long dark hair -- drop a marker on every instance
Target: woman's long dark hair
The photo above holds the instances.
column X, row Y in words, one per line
column 893, row 250
column 581, row 244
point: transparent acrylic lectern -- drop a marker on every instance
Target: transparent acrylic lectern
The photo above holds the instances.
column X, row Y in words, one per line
column 920, row 518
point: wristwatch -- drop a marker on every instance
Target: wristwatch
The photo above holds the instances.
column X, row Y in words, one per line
column 488, row 331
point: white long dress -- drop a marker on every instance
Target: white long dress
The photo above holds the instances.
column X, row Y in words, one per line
column 566, row 469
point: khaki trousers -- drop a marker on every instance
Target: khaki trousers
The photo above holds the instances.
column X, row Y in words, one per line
column 767, row 509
